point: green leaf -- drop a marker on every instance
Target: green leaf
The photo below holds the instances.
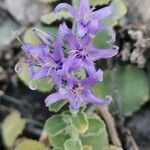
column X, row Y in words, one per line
column 119, row 9
column 59, row 140
column 80, row 74
column 53, row 17
column 6, row 28
column 80, row 122
column 73, row 144
column 28, row 144
column 132, row 85
column 96, row 135
column 100, row 41
column 43, row 85
column 99, row 2
column 55, row 125
column 57, row 106
column 92, row 2
column 12, row 127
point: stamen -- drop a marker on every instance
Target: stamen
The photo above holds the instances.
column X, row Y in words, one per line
column 31, row 86
column 15, row 34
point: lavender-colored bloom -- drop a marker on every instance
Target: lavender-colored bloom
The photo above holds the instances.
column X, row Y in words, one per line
column 81, row 53
column 87, row 20
column 78, row 92
column 46, row 59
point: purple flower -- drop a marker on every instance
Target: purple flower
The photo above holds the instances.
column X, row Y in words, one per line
column 81, row 53
column 46, row 59
column 87, row 20
column 78, row 92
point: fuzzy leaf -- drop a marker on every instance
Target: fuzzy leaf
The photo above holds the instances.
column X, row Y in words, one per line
column 55, row 125
column 119, row 9
column 53, row 17
column 28, row 144
column 92, row 2
column 96, row 135
column 12, row 127
column 132, row 84
column 73, row 144
column 100, row 41
column 80, row 122
column 57, row 106
column 59, row 140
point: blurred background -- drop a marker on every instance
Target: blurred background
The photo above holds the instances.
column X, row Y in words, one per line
column 126, row 77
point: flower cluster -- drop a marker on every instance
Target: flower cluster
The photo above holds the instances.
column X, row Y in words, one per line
column 59, row 56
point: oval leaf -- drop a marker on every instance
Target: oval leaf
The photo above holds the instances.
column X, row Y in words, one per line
column 12, row 127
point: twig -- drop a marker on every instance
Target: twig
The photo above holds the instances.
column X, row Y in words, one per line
column 110, row 124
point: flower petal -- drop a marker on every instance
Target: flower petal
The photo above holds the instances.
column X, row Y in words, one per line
column 42, row 73
column 92, row 80
column 102, row 13
column 69, row 37
column 88, row 66
column 54, row 98
column 90, row 98
column 103, row 53
column 84, row 7
column 57, row 79
column 68, row 7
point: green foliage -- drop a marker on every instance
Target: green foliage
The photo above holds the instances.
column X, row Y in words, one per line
column 100, row 41
column 6, row 28
column 59, row 140
column 77, row 131
column 80, row 122
column 57, row 106
column 73, row 144
column 28, row 144
column 96, row 135
column 43, row 85
column 92, row 2
column 119, row 9
column 53, row 17
column 132, row 86
column 12, row 127
column 55, row 125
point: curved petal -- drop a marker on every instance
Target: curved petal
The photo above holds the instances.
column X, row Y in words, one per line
column 42, row 73
column 89, row 67
column 103, row 53
column 68, row 7
column 69, row 37
column 84, row 7
column 54, row 98
column 90, row 98
column 58, row 52
column 102, row 13
column 92, row 80
column 57, row 79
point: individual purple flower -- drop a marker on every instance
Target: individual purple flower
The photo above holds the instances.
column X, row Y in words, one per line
column 81, row 52
column 46, row 59
column 87, row 20
column 78, row 92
